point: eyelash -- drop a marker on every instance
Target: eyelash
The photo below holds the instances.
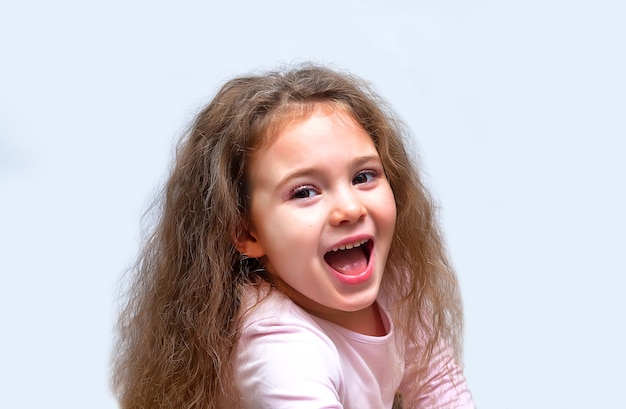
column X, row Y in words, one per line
column 372, row 173
column 295, row 193
column 300, row 189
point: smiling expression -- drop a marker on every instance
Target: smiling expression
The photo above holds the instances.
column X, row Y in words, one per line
column 322, row 214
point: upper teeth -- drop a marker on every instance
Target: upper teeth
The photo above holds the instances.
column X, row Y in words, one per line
column 349, row 246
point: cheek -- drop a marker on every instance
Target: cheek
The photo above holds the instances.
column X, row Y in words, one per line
column 285, row 233
column 390, row 223
column 388, row 210
column 287, row 245
column 391, row 217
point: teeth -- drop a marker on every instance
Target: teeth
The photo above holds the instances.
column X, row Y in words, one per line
column 350, row 246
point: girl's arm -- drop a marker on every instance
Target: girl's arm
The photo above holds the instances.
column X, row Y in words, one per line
column 286, row 365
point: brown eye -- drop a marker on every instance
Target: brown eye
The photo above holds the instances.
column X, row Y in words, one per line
column 364, row 177
column 303, row 192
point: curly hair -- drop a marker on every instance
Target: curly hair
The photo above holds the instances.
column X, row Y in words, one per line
column 179, row 323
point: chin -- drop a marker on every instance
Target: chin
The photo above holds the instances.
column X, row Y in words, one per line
column 362, row 302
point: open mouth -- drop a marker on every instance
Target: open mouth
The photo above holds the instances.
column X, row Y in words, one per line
column 351, row 259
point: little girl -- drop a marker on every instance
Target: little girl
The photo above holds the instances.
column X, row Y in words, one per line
column 296, row 261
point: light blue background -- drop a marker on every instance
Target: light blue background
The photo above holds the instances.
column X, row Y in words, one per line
column 518, row 108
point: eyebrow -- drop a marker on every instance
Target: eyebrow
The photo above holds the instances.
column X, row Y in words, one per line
column 311, row 171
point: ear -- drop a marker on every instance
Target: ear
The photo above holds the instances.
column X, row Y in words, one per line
column 247, row 243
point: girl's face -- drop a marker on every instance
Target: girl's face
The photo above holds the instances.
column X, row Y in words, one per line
column 322, row 214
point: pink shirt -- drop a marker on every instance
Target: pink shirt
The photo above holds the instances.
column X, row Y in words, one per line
column 287, row 358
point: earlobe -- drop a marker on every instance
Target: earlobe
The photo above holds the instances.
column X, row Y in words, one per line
column 248, row 244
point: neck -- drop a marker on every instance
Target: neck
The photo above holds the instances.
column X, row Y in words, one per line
column 367, row 321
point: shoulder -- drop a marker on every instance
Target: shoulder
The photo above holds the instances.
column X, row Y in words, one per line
column 283, row 355
column 269, row 313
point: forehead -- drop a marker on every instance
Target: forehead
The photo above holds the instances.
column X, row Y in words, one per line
column 293, row 114
column 322, row 127
column 292, row 117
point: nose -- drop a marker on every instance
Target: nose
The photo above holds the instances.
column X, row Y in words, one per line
column 347, row 208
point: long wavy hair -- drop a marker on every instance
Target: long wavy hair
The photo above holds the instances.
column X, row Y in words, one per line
column 179, row 322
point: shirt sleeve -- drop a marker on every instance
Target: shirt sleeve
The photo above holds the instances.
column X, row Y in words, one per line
column 289, row 364
column 445, row 385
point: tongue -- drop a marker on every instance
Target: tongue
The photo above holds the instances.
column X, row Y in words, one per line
column 349, row 262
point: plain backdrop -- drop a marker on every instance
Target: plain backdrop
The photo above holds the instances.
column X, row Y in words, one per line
column 518, row 111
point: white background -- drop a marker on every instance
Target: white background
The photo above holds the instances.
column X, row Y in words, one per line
column 518, row 108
